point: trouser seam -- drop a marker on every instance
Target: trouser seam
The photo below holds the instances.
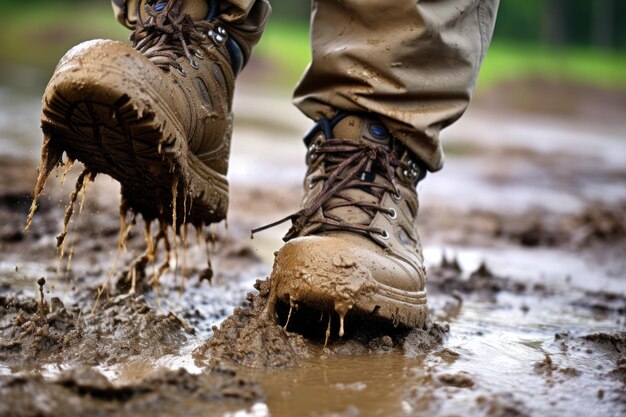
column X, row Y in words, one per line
column 482, row 27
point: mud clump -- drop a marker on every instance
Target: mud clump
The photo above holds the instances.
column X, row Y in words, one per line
column 85, row 392
column 448, row 278
column 595, row 224
column 421, row 341
column 124, row 327
column 379, row 338
column 247, row 338
column 613, row 342
column 603, row 302
column 546, row 366
column 610, row 345
column 614, row 345
column 502, row 405
column 459, row 380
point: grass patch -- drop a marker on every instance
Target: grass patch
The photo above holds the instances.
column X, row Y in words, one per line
column 286, row 45
column 507, row 61
column 38, row 35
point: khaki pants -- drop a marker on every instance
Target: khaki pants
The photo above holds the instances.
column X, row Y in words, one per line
column 413, row 62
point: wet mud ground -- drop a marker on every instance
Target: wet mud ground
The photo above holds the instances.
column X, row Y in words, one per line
column 524, row 235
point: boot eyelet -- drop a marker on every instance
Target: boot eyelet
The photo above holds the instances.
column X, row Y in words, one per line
column 198, row 54
column 392, row 214
column 194, row 64
column 384, row 235
column 311, row 185
column 181, row 71
column 311, row 153
column 397, row 196
column 413, row 171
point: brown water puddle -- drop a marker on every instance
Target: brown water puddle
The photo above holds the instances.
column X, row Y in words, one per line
column 492, row 363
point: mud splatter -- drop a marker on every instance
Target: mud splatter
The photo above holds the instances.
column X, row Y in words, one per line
column 50, row 158
column 41, row 282
column 248, row 338
column 83, row 179
column 134, row 279
column 125, row 327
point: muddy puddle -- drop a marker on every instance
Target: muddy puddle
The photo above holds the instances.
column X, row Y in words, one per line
column 527, row 294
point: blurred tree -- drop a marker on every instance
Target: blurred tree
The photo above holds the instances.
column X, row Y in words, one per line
column 563, row 22
column 603, row 27
column 298, row 10
column 553, row 21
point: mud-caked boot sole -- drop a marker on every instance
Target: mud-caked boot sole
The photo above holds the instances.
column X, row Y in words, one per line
column 96, row 115
column 306, row 272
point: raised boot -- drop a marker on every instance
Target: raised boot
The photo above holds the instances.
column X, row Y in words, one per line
column 353, row 248
column 155, row 116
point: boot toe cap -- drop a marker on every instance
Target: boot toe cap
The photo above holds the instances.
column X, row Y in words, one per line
column 330, row 272
column 104, row 70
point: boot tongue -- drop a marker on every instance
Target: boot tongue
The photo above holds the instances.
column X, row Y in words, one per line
column 196, row 9
column 359, row 128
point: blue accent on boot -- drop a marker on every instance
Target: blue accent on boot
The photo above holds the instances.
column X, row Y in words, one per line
column 236, row 55
column 379, row 131
column 159, row 7
column 213, row 9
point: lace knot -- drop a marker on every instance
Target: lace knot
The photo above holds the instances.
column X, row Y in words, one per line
column 166, row 34
column 364, row 166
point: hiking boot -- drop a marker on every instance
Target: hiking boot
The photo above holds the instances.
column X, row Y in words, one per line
column 155, row 116
column 353, row 247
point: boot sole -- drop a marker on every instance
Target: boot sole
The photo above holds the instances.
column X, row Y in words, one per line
column 407, row 310
column 402, row 308
column 140, row 147
column 377, row 301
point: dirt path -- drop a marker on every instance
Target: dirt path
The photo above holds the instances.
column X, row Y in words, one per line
column 524, row 238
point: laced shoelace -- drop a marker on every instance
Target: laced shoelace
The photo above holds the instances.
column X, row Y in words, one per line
column 349, row 165
column 166, row 34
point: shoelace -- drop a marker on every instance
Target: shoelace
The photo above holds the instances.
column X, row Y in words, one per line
column 166, row 34
column 349, row 165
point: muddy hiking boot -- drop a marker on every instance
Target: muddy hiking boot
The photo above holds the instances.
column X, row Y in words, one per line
column 353, row 248
column 155, row 116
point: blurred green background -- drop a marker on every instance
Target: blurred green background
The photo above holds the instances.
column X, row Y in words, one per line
column 575, row 41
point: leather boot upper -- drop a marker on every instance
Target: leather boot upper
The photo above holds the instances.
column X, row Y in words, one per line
column 196, row 76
